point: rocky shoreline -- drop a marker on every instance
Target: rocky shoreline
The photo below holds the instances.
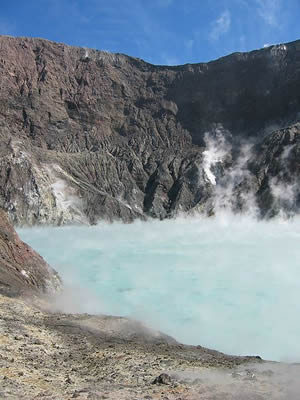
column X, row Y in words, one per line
column 46, row 355
column 57, row 356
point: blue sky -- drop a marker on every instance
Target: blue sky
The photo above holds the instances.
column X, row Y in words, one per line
column 158, row 31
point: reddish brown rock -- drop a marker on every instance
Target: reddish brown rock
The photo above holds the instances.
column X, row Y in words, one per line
column 86, row 134
column 22, row 270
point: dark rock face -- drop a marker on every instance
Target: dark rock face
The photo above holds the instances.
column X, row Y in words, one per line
column 22, row 270
column 276, row 165
column 87, row 134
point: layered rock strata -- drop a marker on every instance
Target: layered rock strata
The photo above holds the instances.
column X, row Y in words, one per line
column 87, row 135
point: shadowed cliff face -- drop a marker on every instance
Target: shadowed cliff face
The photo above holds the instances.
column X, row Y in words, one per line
column 87, row 134
column 22, row 270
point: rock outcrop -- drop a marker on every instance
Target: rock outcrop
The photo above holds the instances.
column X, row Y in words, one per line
column 86, row 134
column 22, row 270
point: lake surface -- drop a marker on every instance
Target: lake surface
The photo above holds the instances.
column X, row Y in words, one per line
column 229, row 283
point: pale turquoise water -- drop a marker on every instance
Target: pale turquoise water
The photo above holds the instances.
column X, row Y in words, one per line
column 228, row 283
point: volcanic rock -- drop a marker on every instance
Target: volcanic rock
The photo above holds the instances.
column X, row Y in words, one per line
column 87, row 134
column 22, row 270
column 162, row 379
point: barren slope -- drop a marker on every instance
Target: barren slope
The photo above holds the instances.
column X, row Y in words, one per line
column 87, row 134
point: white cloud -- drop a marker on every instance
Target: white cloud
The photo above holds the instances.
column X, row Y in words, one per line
column 189, row 44
column 220, row 26
column 242, row 3
column 242, row 43
column 6, row 28
column 164, row 3
column 167, row 59
column 269, row 11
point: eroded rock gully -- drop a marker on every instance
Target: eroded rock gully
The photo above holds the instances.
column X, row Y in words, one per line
column 89, row 135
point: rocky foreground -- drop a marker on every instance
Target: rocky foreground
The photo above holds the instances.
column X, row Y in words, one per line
column 46, row 355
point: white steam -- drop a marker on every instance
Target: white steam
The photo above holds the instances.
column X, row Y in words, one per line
column 233, row 184
column 256, row 381
column 273, row 189
column 217, row 149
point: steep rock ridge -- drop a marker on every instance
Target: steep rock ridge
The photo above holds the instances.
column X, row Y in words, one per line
column 86, row 134
column 22, row 270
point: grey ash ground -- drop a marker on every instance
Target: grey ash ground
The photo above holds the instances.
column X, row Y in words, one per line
column 46, row 355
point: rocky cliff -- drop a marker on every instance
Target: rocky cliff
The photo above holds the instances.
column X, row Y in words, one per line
column 22, row 270
column 86, row 134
